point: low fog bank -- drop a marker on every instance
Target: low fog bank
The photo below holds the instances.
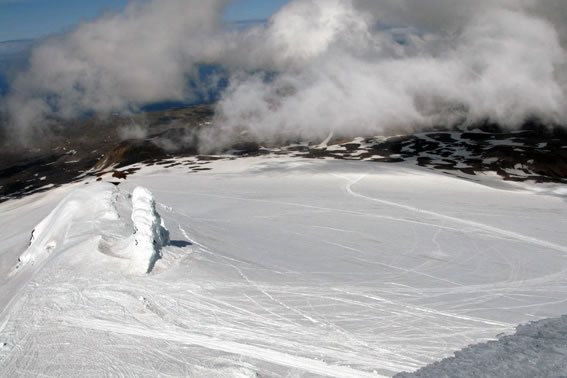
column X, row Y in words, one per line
column 316, row 67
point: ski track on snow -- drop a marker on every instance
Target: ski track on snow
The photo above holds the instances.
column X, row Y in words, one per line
column 481, row 226
column 259, row 353
column 355, row 326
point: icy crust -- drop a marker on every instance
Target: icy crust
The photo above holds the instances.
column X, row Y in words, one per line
column 99, row 214
column 150, row 234
column 538, row 349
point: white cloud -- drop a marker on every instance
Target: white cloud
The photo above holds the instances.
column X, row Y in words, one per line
column 340, row 65
column 490, row 60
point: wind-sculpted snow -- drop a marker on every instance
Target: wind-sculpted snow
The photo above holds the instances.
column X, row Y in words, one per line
column 282, row 267
column 71, row 221
column 538, row 349
column 150, row 234
column 91, row 214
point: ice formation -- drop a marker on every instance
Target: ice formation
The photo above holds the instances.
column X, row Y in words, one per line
column 150, row 234
column 91, row 212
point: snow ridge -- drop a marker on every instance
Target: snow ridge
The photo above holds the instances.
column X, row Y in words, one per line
column 76, row 211
column 90, row 212
column 150, row 233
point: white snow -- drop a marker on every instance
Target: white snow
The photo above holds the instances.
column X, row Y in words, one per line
column 90, row 214
column 461, row 165
column 505, row 142
column 538, row 349
column 150, row 234
column 82, row 205
column 336, row 148
column 276, row 266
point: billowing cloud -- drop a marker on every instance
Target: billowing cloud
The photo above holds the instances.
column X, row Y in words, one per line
column 352, row 67
column 116, row 62
column 374, row 65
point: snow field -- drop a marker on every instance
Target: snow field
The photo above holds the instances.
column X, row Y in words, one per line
column 283, row 267
column 150, row 234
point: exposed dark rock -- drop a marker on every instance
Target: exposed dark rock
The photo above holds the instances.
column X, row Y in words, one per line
column 132, row 152
column 94, row 147
column 246, row 148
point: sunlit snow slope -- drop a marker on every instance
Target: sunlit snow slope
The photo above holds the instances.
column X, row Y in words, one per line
column 277, row 266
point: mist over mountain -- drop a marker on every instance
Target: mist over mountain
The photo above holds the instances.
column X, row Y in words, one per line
column 348, row 67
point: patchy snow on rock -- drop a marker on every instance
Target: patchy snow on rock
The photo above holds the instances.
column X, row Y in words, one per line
column 150, row 234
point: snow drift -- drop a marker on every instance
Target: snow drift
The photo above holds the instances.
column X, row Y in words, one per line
column 73, row 221
column 96, row 215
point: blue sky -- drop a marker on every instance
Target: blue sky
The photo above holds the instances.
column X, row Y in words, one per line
column 27, row 19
